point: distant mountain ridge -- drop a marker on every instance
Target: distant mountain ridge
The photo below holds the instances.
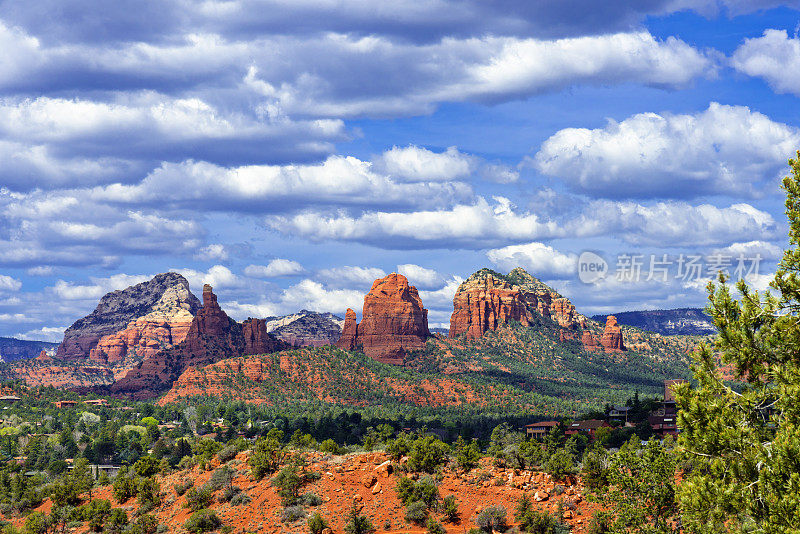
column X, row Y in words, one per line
column 12, row 349
column 306, row 328
column 678, row 321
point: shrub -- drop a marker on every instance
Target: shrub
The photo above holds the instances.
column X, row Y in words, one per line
column 330, row 447
column 536, row 522
column 416, row 512
column 203, row 520
column 292, row 513
column 36, row 523
column 268, row 454
column 434, row 527
column 558, row 489
column 467, row 454
column 424, row 490
column 311, row 499
column 595, row 468
column 317, row 523
column 427, row 454
column 145, row 524
column 124, row 486
column 229, row 493
column 599, row 524
column 492, row 518
column 228, row 453
column 450, row 508
column 357, row 523
column 240, row 499
column 147, row 466
column 96, row 512
column 117, row 521
column 560, row 465
column 181, row 487
column 197, row 499
column 149, row 495
column 220, row 478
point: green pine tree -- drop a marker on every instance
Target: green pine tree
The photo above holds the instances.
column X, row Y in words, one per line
column 743, row 442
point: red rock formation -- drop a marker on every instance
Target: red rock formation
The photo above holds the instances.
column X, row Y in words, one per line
column 350, row 331
column 393, row 321
column 43, row 357
column 257, row 340
column 590, row 342
column 612, row 335
column 483, row 304
column 143, row 338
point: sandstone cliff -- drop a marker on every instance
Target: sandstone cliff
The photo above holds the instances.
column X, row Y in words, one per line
column 166, row 305
column 612, row 335
column 393, row 321
column 212, row 336
column 487, row 300
column 257, row 340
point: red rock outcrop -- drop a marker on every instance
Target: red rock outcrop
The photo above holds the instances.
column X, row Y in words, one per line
column 393, row 321
column 212, row 336
column 612, row 335
column 484, row 303
column 350, row 331
column 257, row 340
column 590, row 342
column 164, row 299
column 143, row 338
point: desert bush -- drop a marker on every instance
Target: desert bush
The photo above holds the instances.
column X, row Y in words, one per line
column 96, row 512
column 416, row 512
column 450, row 508
column 560, row 465
column 197, row 499
column 424, row 490
column 220, row 478
column 36, row 523
column 292, row 513
column 181, row 487
column 357, row 523
column 427, row 454
column 434, row 527
column 145, row 524
column 229, row 493
column 147, row 466
column 492, row 518
column 317, row 523
column 149, row 494
column 330, row 447
column 310, row 498
column 117, row 521
column 203, row 520
column 241, row 499
column 268, row 454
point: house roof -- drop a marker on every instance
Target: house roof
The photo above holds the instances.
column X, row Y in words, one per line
column 542, row 424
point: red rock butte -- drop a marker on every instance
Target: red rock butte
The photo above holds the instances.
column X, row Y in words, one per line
column 612, row 335
column 393, row 321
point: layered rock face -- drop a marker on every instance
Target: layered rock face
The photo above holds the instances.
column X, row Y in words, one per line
column 393, row 321
column 612, row 335
column 164, row 300
column 306, row 328
column 487, row 300
column 590, row 342
column 212, row 336
column 483, row 303
column 349, row 336
column 257, row 340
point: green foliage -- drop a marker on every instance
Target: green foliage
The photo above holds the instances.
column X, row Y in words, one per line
column 117, row 521
column 145, row 524
column 492, row 518
column 560, row 465
column 202, row 521
column 148, row 495
column 427, row 454
column 36, row 523
column 432, row 526
column 124, row 486
column 744, row 443
column 147, row 466
column 641, row 493
column 595, row 468
column 424, row 490
column 197, row 499
column 268, row 454
column 241, row 499
column 416, row 512
column 449, row 508
column 535, row 522
column 292, row 513
column 220, row 478
column 96, row 512
column 291, row 479
column 468, row 455
column 399, row 447
column 330, row 447
column 317, row 523
column 357, row 523
column 181, row 487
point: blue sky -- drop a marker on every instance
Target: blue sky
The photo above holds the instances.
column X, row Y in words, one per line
column 289, row 153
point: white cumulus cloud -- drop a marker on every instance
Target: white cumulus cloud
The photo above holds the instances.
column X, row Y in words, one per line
column 275, row 268
column 541, row 260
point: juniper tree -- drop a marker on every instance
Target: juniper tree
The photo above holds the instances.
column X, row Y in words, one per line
column 743, row 442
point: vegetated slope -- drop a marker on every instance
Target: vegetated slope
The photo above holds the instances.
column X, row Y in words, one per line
column 519, row 369
column 12, row 349
column 680, row 321
column 360, row 479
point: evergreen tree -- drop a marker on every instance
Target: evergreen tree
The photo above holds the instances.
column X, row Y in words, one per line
column 744, row 443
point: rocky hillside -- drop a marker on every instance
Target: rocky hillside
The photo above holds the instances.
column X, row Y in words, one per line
column 365, row 480
column 133, row 323
column 306, row 328
column 680, row 321
column 12, row 349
